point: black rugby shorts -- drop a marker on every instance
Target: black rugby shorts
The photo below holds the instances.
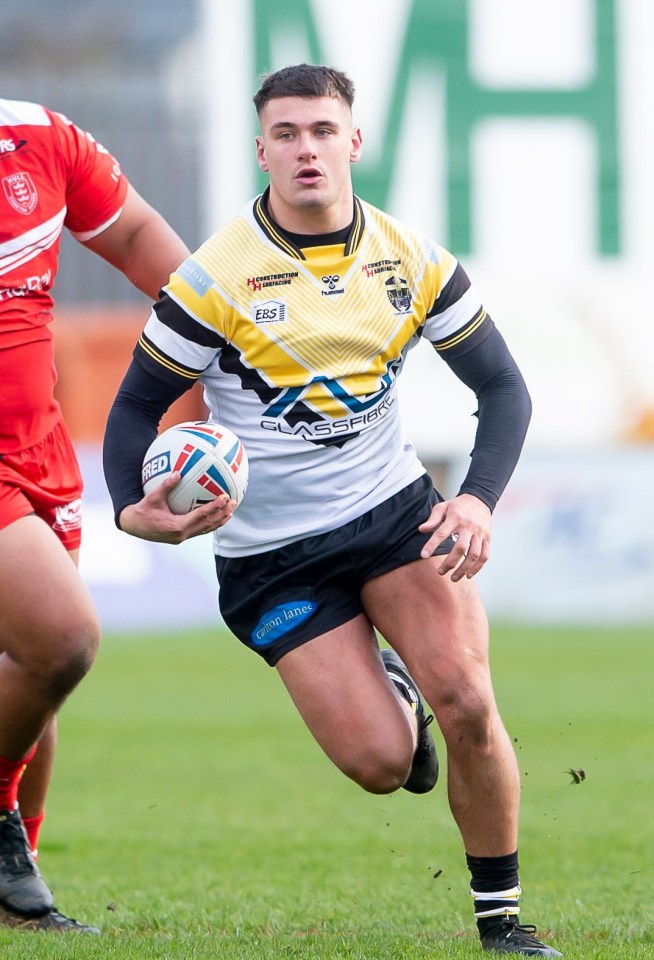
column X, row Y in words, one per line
column 278, row 600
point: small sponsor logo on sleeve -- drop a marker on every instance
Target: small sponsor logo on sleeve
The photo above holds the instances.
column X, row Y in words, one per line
column 196, row 276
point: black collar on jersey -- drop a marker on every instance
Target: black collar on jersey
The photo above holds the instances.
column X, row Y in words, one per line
column 289, row 242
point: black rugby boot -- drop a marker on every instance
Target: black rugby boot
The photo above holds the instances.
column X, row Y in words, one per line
column 52, row 922
column 509, row 936
column 22, row 888
column 424, row 769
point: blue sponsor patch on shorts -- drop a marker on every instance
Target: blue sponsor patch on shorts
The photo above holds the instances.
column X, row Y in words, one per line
column 281, row 620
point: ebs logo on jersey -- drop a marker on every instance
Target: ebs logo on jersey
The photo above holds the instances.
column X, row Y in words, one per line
column 272, row 311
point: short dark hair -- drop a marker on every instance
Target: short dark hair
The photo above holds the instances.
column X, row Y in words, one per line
column 304, row 80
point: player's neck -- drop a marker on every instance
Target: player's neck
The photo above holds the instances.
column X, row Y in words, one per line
column 306, row 240
column 311, row 221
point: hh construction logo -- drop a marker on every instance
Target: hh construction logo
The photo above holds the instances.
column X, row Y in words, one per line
column 380, row 266
column 272, row 280
column 20, row 192
column 399, row 294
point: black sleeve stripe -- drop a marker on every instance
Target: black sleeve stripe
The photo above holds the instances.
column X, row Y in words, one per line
column 162, row 360
column 452, row 292
column 177, row 319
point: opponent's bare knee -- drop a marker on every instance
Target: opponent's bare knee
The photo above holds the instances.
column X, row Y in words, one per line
column 65, row 659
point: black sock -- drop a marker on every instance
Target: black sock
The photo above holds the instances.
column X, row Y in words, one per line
column 494, row 887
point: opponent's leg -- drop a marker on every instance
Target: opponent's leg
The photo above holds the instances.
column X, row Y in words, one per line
column 49, row 635
column 34, row 784
column 33, row 787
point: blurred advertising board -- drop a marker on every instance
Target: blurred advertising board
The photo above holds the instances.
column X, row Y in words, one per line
column 573, row 542
column 573, row 539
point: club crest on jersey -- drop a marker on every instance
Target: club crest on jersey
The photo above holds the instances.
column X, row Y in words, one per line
column 20, row 192
column 398, row 293
column 272, row 311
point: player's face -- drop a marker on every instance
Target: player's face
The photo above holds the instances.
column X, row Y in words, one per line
column 306, row 146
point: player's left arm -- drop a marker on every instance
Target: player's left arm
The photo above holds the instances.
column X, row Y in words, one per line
column 141, row 244
column 504, row 412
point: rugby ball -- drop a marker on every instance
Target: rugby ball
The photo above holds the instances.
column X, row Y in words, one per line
column 210, row 458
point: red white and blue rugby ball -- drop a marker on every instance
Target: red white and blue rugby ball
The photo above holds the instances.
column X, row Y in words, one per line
column 210, row 458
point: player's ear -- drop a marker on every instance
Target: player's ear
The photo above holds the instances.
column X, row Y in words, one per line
column 356, row 145
column 261, row 154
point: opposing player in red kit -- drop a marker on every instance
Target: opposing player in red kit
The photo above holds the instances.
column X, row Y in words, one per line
column 52, row 175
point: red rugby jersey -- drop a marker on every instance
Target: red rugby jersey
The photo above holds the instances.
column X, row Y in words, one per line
column 52, row 175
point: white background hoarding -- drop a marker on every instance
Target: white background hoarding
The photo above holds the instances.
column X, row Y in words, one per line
column 572, row 542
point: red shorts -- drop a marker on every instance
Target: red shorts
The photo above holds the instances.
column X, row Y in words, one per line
column 44, row 479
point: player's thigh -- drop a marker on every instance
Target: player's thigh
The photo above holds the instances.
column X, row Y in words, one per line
column 340, row 687
column 438, row 627
column 43, row 600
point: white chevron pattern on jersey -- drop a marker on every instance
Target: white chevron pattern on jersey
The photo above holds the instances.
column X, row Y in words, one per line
column 19, row 250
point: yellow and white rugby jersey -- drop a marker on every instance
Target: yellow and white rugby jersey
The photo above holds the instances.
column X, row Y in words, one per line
column 299, row 352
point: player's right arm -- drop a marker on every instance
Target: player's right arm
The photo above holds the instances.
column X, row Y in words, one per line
column 140, row 403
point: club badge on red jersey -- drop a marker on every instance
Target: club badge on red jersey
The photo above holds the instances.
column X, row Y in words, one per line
column 20, row 191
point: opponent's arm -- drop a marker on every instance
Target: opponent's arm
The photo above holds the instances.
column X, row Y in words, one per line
column 141, row 244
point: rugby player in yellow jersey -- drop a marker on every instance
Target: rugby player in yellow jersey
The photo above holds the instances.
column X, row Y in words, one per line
column 297, row 316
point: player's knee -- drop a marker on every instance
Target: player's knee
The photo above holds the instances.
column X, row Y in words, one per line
column 466, row 717
column 380, row 780
column 381, row 772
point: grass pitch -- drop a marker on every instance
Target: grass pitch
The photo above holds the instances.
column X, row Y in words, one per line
column 192, row 816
